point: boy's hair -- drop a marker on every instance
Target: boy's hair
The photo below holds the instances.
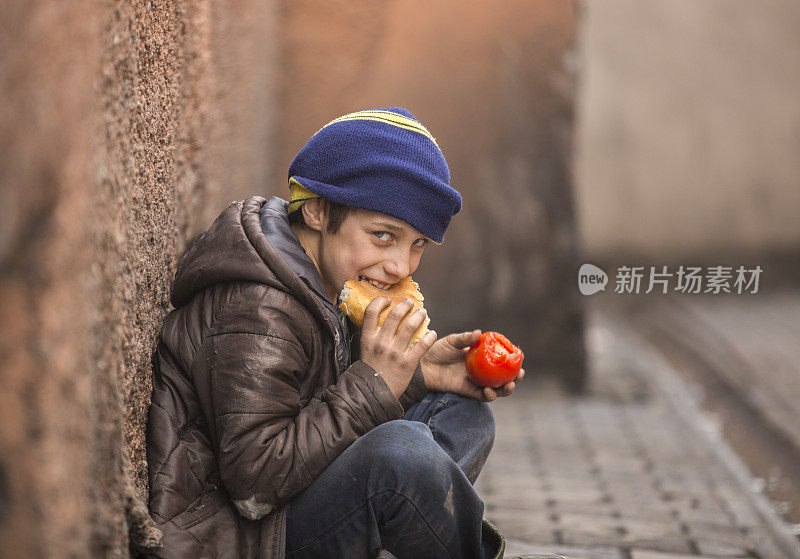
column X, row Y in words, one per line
column 336, row 214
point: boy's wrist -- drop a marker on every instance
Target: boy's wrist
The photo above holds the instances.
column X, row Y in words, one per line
column 428, row 376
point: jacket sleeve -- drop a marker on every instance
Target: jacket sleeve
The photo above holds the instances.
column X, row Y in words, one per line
column 269, row 445
column 415, row 391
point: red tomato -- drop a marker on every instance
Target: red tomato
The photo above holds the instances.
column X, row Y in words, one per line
column 494, row 360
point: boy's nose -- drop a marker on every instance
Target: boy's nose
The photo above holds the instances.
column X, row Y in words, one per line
column 398, row 267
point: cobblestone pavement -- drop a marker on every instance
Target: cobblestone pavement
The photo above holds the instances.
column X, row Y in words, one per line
column 763, row 332
column 742, row 353
column 751, row 343
column 632, row 470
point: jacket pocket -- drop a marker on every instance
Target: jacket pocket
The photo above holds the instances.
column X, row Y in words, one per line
column 205, row 506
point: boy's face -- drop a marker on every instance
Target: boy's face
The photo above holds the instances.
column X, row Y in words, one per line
column 371, row 245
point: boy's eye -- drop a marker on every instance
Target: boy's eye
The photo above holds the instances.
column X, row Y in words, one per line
column 386, row 236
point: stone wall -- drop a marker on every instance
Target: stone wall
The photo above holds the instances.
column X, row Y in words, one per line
column 125, row 129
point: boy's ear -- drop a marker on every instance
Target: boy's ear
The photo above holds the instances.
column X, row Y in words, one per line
column 314, row 214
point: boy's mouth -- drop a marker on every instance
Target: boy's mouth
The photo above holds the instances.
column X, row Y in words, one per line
column 379, row 285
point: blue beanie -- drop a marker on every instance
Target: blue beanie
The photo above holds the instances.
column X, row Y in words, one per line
column 382, row 160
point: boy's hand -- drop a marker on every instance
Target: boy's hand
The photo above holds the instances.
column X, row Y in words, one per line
column 444, row 368
column 385, row 348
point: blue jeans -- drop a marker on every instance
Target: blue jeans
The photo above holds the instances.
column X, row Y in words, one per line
column 404, row 487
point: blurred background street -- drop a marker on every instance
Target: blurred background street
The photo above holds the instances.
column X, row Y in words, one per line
column 670, row 453
column 627, row 134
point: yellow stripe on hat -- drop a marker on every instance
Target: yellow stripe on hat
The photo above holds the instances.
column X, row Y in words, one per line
column 387, row 117
column 394, row 117
column 298, row 195
column 390, row 116
column 397, row 124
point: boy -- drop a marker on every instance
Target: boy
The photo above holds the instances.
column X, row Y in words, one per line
column 276, row 428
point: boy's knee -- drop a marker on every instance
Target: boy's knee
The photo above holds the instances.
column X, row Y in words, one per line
column 400, row 442
column 405, row 450
column 479, row 414
column 484, row 417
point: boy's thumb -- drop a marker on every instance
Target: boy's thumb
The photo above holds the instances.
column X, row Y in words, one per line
column 466, row 339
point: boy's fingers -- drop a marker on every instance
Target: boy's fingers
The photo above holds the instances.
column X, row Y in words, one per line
column 475, row 392
column 392, row 321
column 411, row 325
column 464, row 339
column 506, row 389
column 421, row 347
column 373, row 312
column 489, row 394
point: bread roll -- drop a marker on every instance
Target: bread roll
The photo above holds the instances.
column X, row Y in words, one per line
column 356, row 295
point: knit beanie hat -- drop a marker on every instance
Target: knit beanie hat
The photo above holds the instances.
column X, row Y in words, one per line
column 382, row 160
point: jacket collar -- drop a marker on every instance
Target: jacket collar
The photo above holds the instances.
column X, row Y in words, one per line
column 275, row 224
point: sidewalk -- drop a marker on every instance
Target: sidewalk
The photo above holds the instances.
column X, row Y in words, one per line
column 745, row 354
column 633, row 470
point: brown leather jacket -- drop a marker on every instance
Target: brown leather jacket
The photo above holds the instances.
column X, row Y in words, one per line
column 254, row 394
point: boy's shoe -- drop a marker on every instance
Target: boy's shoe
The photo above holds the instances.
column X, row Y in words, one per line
column 492, row 537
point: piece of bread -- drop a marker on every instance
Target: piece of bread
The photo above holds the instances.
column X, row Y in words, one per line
column 356, row 295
